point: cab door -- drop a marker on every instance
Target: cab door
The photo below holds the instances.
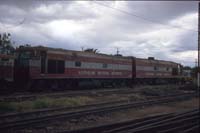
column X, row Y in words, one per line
column 43, row 62
column 21, row 71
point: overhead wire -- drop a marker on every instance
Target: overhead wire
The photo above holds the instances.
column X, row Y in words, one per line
column 146, row 19
column 13, row 26
column 143, row 18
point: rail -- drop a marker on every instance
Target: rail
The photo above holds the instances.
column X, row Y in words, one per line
column 24, row 123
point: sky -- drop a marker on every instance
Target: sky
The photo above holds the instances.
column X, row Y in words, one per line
column 161, row 29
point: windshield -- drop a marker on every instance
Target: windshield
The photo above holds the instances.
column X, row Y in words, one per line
column 25, row 54
column 23, row 58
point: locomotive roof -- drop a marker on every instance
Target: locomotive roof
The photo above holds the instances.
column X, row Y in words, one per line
column 155, row 60
column 43, row 48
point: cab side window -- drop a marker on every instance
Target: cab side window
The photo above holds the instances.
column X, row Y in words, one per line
column 56, row 66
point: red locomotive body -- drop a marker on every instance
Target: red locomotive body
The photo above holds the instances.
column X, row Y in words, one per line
column 151, row 70
column 52, row 65
column 43, row 67
column 77, row 64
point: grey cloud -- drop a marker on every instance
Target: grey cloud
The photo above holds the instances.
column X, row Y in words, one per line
column 151, row 15
column 105, row 32
column 28, row 4
column 30, row 10
column 62, row 11
column 187, row 41
column 162, row 11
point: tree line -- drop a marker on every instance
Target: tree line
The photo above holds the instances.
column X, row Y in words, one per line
column 6, row 45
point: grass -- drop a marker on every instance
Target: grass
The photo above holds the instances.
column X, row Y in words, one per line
column 44, row 102
column 159, row 90
column 136, row 97
column 6, row 107
column 47, row 102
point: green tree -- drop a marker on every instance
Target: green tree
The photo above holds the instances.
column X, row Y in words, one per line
column 187, row 68
column 6, row 46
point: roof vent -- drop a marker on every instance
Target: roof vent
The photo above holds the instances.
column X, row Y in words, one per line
column 151, row 58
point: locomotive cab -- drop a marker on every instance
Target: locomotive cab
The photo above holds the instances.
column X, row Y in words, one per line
column 6, row 67
column 27, row 59
column 22, row 66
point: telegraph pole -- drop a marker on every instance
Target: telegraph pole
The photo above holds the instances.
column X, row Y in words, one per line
column 195, row 63
column 198, row 70
column 117, row 51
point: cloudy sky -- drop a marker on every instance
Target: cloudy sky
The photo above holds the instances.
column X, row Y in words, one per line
column 164, row 30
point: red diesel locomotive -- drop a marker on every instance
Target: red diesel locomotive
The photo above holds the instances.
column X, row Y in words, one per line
column 44, row 67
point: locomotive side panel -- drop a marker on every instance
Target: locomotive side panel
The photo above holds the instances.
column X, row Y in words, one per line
column 70, row 64
column 146, row 68
column 35, row 68
column 7, row 68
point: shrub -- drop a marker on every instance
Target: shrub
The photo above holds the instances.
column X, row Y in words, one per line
column 41, row 103
column 6, row 107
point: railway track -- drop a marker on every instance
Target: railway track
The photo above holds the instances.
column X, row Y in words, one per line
column 178, row 122
column 90, row 110
column 18, row 97
column 45, row 112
